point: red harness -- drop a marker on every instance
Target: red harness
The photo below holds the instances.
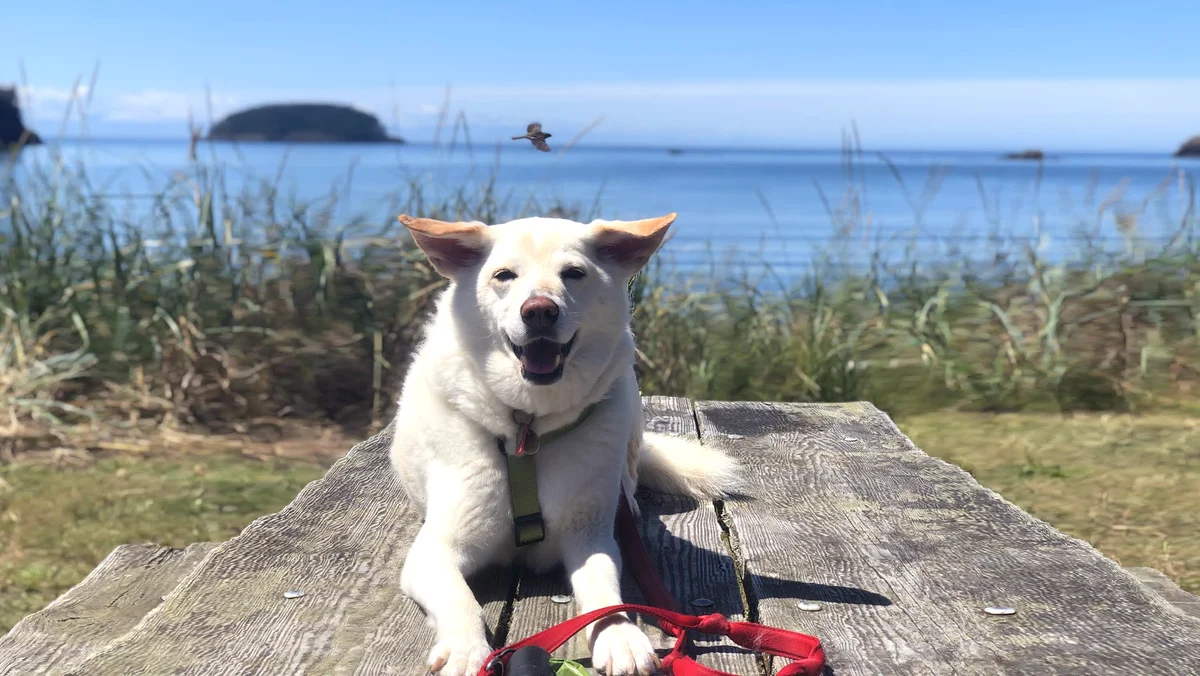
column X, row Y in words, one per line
column 806, row 653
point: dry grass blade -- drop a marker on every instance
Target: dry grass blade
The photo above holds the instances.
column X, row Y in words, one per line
column 235, row 303
column 31, row 371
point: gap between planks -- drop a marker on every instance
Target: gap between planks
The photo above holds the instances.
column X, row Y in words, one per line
column 504, row 622
column 741, row 568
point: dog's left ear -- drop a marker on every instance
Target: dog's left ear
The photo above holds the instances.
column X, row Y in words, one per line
column 630, row 244
column 451, row 247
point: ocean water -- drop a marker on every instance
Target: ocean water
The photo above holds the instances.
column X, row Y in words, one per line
column 774, row 207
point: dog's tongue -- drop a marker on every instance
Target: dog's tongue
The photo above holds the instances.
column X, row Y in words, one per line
column 541, row 356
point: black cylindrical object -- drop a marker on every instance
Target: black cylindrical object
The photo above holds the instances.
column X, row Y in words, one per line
column 529, row 661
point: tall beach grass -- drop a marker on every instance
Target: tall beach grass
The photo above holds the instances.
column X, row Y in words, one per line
column 225, row 303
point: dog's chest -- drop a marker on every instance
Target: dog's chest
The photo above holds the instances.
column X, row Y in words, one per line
column 578, row 484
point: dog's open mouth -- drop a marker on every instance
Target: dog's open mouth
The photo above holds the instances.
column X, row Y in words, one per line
column 542, row 359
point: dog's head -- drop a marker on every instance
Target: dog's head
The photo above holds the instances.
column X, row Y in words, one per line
column 543, row 303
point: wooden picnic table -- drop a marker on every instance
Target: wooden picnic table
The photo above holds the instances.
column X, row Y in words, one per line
column 848, row 532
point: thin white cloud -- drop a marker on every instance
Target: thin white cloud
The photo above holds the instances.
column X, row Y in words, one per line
column 829, row 88
column 1065, row 114
column 51, row 103
column 1062, row 113
column 154, row 105
column 33, row 95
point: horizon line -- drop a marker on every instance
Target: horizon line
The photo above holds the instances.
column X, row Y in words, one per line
column 782, row 148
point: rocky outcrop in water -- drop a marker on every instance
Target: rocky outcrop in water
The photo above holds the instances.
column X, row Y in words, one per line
column 302, row 123
column 1190, row 148
column 12, row 128
column 1026, row 155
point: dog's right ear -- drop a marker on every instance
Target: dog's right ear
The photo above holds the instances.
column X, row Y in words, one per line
column 450, row 247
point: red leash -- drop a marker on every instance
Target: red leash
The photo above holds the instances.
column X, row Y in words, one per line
column 806, row 653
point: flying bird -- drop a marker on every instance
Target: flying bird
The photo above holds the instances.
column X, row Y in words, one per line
column 536, row 136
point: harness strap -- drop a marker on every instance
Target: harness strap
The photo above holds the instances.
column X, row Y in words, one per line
column 528, row 526
column 806, row 652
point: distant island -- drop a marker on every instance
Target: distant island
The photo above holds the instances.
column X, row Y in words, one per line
column 1190, row 148
column 12, row 128
column 302, row 123
column 1026, row 155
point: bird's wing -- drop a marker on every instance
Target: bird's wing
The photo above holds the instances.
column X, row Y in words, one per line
column 540, row 144
column 533, row 126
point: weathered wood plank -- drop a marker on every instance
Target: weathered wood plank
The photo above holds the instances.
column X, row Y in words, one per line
column 1170, row 592
column 342, row 542
column 904, row 551
column 685, row 542
column 116, row 595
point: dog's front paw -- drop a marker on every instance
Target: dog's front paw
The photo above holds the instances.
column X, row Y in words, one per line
column 458, row 656
column 621, row 649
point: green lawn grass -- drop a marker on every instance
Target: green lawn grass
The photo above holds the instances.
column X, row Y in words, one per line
column 1127, row 484
column 57, row 523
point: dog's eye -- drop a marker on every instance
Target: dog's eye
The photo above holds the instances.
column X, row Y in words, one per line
column 503, row 275
column 573, row 273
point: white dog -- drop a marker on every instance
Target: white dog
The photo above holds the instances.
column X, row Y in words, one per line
column 534, row 325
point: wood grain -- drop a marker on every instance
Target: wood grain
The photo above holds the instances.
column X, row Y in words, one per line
column 116, row 595
column 904, row 551
column 1155, row 581
column 684, row 541
column 342, row 542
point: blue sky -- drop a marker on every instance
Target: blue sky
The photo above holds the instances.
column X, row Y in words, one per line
column 1058, row 74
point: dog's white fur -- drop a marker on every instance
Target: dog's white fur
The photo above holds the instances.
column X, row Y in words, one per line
column 460, row 394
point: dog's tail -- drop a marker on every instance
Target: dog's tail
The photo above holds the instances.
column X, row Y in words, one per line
column 679, row 466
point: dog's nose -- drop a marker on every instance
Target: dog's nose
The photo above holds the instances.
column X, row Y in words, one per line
column 539, row 312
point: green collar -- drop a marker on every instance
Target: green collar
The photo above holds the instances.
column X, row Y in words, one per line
column 528, row 526
column 563, row 431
